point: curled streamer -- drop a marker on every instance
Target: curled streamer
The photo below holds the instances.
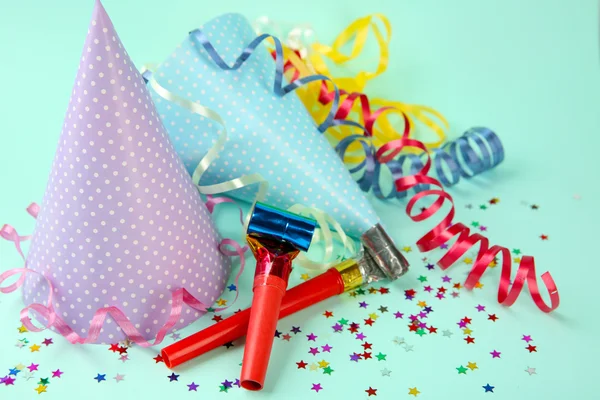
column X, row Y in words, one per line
column 477, row 150
column 445, row 230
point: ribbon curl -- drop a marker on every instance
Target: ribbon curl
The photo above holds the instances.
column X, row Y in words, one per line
column 477, row 150
column 445, row 230
column 299, row 64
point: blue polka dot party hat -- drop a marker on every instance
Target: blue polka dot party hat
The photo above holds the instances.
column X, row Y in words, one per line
column 268, row 134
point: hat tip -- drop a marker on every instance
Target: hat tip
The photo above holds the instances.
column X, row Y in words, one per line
column 99, row 11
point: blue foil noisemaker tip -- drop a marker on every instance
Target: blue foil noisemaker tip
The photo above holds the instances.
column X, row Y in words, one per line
column 282, row 225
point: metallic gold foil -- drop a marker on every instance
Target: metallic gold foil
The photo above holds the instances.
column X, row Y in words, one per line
column 351, row 274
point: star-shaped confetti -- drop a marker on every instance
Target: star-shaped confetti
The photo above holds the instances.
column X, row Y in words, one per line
column 316, row 387
column 119, row 378
column 41, row 389
column 34, row 348
column 100, row 377
column 371, row 392
column 227, row 384
column 173, row 377
column 27, row 375
column 530, row 371
column 413, row 391
column 531, row 348
column 192, row 387
column 47, row 342
column 385, row 372
column 488, row 388
column 495, row 354
column 57, row 373
column 8, row 380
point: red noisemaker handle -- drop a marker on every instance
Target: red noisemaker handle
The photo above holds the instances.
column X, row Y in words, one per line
column 302, row 296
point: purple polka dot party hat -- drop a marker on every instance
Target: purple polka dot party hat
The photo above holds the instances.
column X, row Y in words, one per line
column 121, row 224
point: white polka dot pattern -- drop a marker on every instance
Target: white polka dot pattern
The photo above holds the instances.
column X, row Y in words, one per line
column 121, row 223
column 270, row 135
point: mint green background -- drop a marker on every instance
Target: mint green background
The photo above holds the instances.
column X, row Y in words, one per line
column 529, row 70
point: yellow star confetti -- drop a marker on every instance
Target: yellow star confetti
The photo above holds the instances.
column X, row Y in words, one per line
column 23, row 329
column 221, row 302
column 517, row 260
column 414, row 391
column 20, row 367
column 34, row 348
column 323, row 364
column 407, row 249
column 467, row 331
column 304, row 277
column 472, row 366
column 313, row 367
column 422, row 304
column 468, row 261
column 493, row 263
column 373, row 316
column 40, row 389
column 372, row 290
column 478, row 285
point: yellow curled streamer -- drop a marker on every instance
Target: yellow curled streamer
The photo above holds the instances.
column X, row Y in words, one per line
column 323, row 219
column 383, row 131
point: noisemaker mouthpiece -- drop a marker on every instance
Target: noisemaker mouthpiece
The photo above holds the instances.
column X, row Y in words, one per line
column 381, row 251
column 281, row 225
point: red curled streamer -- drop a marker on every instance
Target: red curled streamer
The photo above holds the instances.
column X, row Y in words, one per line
column 446, row 230
column 346, row 105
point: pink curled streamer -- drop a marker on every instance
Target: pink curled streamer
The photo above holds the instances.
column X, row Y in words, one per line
column 179, row 297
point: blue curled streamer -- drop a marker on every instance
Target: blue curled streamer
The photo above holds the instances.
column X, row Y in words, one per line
column 477, row 150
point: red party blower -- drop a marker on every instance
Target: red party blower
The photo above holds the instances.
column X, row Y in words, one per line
column 275, row 237
column 378, row 260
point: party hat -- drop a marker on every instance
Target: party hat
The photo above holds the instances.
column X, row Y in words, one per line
column 121, row 223
column 270, row 135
